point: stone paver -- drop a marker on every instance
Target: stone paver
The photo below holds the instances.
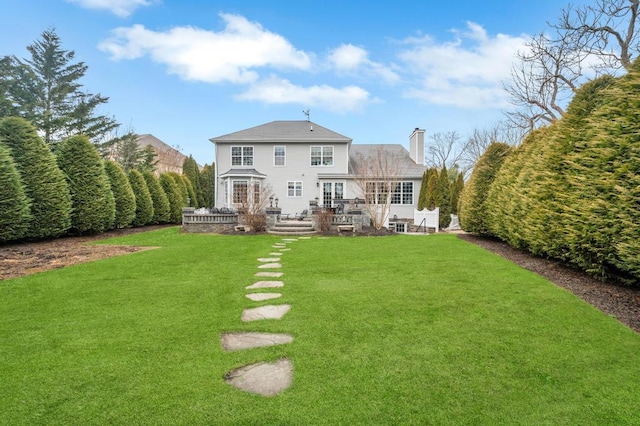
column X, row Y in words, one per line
column 279, row 245
column 285, row 249
column 258, row 297
column 268, row 259
column 289, row 240
column 266, row 379
column 266, row 312
column 265, row 284
column 275, row 253
column 248, row 340
column 269, row 274
column 270, row 266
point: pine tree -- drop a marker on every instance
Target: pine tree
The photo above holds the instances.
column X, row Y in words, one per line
column 207, row 181
column 54, row 101
column 456, row 189
column 14, row 204
column 192, row 200
column 144, row 203
column 174, row 196
column 161, row 207
column 93, row 202
column 123, row 195
column 44, row 182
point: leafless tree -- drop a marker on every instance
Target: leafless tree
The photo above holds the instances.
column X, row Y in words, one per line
column 254, row 203
column 542, row 81
column 605, row 30
column 586, row 41
column 377, row 175
column 444, row 149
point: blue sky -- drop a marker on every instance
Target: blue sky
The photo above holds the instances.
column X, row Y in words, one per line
column 186, row 71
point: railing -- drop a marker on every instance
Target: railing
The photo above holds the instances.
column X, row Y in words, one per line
column 342, row 219
column 210, row 218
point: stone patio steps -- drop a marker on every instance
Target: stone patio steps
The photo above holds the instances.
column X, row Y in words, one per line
column 292, row 227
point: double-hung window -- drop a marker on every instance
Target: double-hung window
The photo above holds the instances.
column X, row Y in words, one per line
column 279, row 156
column 242, row 156
column 403, row 193
column 294, row 189
column 322, row 155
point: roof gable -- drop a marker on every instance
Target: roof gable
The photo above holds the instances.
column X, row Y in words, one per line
column 284, row 131
column 359, row 152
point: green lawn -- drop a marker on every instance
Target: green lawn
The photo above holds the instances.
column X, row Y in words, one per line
column 388, row 330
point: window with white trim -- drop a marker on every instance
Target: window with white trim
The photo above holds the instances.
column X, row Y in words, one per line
column 240, row 191
column 322, row 155
column 403, row 193
column 279, row 156
column 242, row 156
column 294, row 189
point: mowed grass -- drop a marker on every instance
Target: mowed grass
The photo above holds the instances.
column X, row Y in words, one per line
column 393, row 330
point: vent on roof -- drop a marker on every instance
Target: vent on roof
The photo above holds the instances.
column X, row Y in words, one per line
column 311, row 128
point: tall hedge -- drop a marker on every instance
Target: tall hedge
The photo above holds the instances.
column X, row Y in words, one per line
column 122, row 193
column 442, row 197
column 94, row 206
column 44, row 183
column 192, row 201
column 14, row 204
column 182, row 187
column 191, row 170
column 207, row 182
column 161, row 207
column 170, row 187
column 473, row 213
column 144, row 203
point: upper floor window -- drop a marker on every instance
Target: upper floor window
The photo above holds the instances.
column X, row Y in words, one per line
column 242, row 156
column 294, row 189
column 322, row 156
column 403, row 193
column 279, row 155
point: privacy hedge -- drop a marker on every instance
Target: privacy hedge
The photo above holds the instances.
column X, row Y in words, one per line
column 473, row 214
column 572, row 190
column 144, row 203
column 43, row 181
column 122, row 193
column 161, row 208
column 94, row 207
column 14, row 204
column 170, row 187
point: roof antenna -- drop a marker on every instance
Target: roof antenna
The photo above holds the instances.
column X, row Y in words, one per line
column 306, row 113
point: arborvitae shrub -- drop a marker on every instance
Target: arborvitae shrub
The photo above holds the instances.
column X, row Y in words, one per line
column 161, row 207
column 122, row 193
column 207, row 182
column 174, row 196
column 473, row 213
column 144, row 203
column 191, row 170
column 14, row 204
column 44, row 183
column 93, row 202
column 443, row 197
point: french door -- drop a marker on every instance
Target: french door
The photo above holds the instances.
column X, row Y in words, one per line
column 332, row 191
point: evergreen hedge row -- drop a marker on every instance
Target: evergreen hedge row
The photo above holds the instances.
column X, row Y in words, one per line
column 161, row 207
column 144, row 203
column 14, row 203
column 122, row 193
column 572, row 190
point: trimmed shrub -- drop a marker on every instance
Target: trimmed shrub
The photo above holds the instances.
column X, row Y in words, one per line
column 456, row 190
column 161, row 207
column 473, row 213
column 192, row 200
column 122, row 193
column 207, row 182
column 174, row 196
column 144, row 203
column 442, row 197
column 44, row 183
column 93, row 203
column 191, row 170
column 14, row 204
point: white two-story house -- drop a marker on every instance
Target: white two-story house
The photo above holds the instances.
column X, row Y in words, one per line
column 301, row 161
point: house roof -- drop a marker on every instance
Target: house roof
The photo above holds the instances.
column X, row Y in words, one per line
column 166, row 154
column 243, row 173
column 284, row 131
column 360, row 152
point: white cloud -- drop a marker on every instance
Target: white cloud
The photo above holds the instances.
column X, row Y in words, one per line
column 233, row 54
column 354, row 60
column 122, row 8
column 467, row 72
column 279, row 91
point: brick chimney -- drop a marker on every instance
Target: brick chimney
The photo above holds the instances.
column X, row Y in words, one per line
column 416, row 146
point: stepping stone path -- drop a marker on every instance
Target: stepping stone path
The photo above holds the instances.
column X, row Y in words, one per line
column 262, row 378
column 265, row 312
column 269, row 274
column 266, row 379
column 258, row 297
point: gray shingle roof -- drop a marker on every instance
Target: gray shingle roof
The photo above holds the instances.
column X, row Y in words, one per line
column 284, row 131
column 357, row 152
column 243, row 172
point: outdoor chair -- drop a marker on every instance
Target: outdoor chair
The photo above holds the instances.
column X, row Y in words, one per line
column 302, row 215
